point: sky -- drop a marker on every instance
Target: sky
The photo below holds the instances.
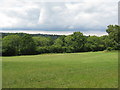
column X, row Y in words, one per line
column 90, row 17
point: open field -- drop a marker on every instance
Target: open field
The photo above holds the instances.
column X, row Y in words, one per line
column 75, row 70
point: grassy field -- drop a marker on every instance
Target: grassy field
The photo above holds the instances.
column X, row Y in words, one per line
column 75, row 70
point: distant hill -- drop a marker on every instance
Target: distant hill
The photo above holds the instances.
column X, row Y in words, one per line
column 21, row 34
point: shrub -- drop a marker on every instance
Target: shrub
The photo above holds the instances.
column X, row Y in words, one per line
column 109, row 49
column 40, row 50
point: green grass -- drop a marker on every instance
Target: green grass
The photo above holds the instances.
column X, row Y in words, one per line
column 75, row 70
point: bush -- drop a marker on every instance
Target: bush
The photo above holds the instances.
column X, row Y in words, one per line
column 40, row 50
column 56, row 49
column 50, row 49
column 10, row 45
column 109, row 49
column 69, row 49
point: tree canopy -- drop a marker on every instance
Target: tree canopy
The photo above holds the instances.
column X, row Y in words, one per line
column 26, row 44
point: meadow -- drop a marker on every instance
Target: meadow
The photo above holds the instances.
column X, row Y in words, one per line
column 68, row 70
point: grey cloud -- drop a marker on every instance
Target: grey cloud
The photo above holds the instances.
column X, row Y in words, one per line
column 70, row 16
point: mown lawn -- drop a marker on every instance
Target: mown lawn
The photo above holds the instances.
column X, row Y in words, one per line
column 75, row 70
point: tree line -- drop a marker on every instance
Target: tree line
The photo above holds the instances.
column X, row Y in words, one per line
column 26, row 44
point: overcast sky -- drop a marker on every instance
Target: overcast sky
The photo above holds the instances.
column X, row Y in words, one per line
column 87, row 16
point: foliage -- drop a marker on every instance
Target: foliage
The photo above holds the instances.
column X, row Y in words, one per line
column 94, row 43
column 11, row 45
column 42, row 41
column 26, row 44
column 109, row 49
column 114, row 35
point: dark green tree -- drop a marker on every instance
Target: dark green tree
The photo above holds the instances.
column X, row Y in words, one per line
column 94, row 43
column 69, row 41
column 78, row 41
column 114, row 35
column 42, row 41
column 11, row 45
column 28, row 45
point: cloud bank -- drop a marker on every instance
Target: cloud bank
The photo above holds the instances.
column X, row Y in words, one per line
column 84, row 16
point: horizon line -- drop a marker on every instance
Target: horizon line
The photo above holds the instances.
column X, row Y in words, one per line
column 87, row 33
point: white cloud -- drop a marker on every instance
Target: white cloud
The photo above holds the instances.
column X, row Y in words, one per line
column 84, row 16
column 98, row 33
